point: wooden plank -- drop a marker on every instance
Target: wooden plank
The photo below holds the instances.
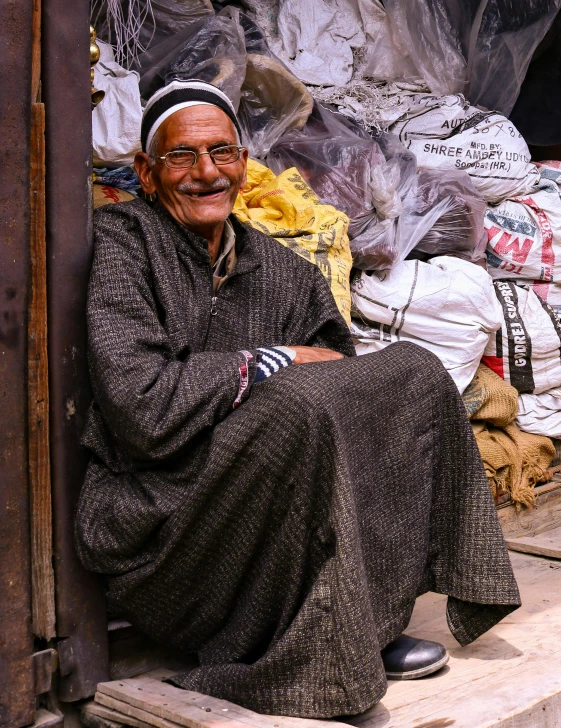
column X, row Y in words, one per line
column 194, row 710
column 130, row 715
column 510, row 677
column 42, row 574
column 547, row 543
column 46, row 719
column 529, row 522
column 36, row 52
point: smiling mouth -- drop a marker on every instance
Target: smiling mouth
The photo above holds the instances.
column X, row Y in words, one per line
column 205, row 193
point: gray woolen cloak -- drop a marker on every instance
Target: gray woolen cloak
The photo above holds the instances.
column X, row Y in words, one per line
column 285, row 541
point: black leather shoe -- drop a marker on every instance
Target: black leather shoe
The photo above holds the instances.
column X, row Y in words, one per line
column 408, row 658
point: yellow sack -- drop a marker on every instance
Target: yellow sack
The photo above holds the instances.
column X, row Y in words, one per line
column 287, row 209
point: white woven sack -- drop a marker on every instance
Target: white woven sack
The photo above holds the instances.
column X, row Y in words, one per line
column 116, row 119
column 540, row 414
column 548, row 292
column 445, row 132
column 526, row 350
column 447, row 305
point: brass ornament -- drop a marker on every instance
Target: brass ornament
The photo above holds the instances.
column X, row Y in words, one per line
column 95, row 53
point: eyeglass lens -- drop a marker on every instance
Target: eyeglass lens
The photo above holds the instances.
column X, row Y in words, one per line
column 185, row 158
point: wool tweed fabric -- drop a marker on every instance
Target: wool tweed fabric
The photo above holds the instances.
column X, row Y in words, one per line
column 283, row 542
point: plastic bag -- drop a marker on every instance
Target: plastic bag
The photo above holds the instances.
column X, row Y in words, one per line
column 134, row 26
column 446, row 305
column 272, row 98
column 382, row 60
column 447, row 133
column 459, row 228
column 215, row 53
column 442, row 215
column 548, row 292
column 344, row 167
column 540, row 414
column 480, row 48
column 117, row 118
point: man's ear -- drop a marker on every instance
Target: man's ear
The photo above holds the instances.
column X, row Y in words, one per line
column 144, row 172
column 244, row 158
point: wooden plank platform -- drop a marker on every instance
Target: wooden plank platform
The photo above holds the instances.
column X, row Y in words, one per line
column 509, row 678
column 547, row 543
column 528, row 522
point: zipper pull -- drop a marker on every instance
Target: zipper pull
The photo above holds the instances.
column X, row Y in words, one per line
column 213, row 309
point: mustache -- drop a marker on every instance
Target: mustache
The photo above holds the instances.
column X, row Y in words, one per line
column 222, row 183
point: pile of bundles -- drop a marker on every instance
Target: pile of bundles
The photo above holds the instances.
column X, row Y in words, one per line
column 380, row 150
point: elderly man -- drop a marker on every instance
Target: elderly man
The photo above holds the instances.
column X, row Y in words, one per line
column 257, row 495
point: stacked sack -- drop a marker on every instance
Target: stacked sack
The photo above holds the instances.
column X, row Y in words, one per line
column 446, row 305
column 524, row 258
column 453, row 231
column 514, row 461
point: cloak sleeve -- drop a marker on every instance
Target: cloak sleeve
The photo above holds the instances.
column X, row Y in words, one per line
column 319, row 322
column 152, row 402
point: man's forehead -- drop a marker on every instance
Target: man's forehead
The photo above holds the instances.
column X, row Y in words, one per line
column 198, row 125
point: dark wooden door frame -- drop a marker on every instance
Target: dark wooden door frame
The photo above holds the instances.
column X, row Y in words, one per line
column 17, row 702
column 81, row 622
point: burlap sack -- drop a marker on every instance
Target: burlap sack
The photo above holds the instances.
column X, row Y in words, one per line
column 514, row 461
column 105, row 195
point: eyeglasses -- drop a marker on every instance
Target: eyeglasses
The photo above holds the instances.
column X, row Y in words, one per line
column 185, row 158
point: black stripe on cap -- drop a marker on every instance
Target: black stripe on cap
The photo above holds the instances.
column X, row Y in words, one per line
column 179, row 96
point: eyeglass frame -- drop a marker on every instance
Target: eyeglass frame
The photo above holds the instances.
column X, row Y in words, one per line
column 198, row 154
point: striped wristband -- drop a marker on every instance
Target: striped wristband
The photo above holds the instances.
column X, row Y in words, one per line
column 271, row 359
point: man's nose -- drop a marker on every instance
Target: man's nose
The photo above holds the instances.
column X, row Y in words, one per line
column 204, row 168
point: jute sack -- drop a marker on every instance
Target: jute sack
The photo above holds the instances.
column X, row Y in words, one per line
column 514, row 461
column 287, row 209
column 105, row 195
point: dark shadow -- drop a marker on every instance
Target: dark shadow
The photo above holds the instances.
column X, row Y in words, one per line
column 378, row 713
column 488, row 647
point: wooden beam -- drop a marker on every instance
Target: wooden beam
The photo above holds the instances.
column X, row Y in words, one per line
column 42, row 574
column 530, row 521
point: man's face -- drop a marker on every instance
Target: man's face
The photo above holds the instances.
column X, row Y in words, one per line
column 203, row 196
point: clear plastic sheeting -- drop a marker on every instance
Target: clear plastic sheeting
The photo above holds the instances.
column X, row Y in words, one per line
column 480, row 48
column 273, row 100
column 459, row 230
column 214, row 53
column 345, row 167
column 442, row 215
column 134, row 26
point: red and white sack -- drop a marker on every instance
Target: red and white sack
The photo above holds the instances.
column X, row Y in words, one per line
column 524, row 236
column 550, row 170
column 446, row 305
column 445, row 132
column 540, row 414
column 526, row 350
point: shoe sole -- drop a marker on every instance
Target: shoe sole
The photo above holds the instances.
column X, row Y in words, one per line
column 421, row 672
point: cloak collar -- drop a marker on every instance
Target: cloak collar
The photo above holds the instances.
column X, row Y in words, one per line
column 193, row 245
